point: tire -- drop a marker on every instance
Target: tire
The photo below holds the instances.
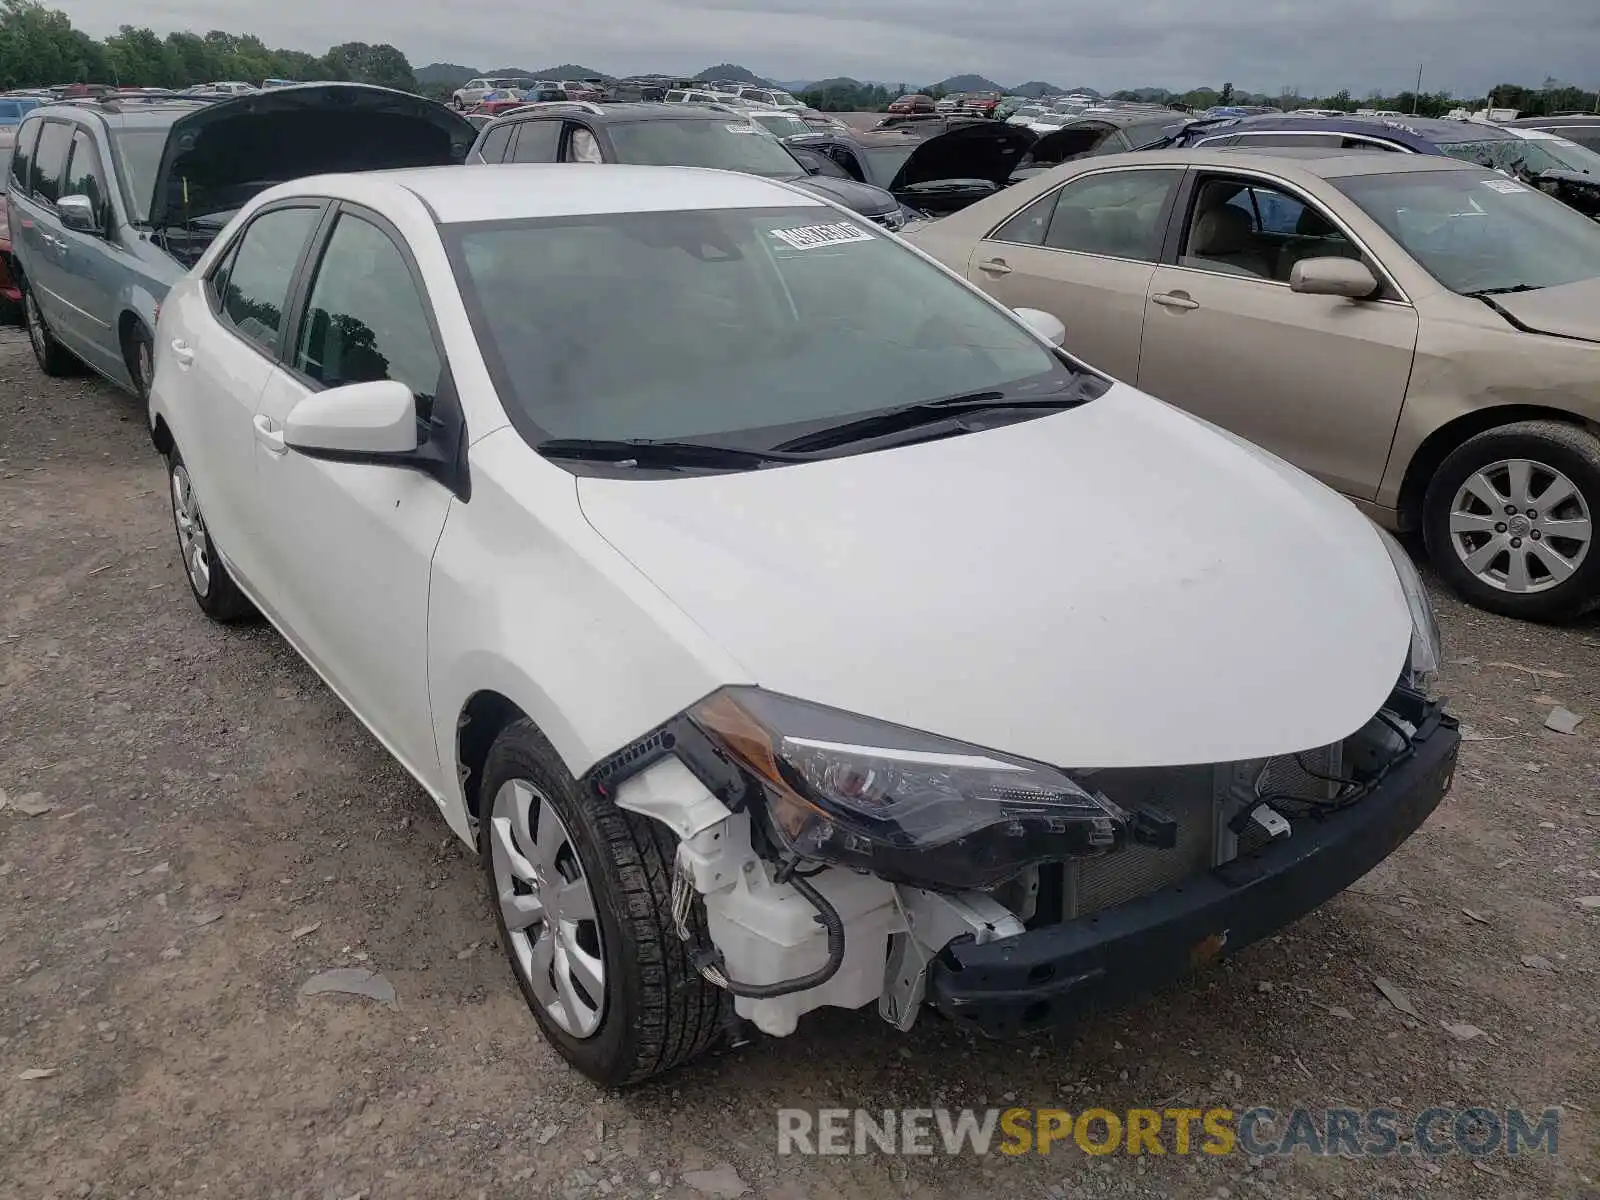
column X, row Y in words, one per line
column 53, row 358
column 213, row 588
column 655, row 1012
column 1552, row 455
column 141, row 361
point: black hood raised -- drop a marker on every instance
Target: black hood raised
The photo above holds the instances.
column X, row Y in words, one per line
column 984, row 150
column 863, row 198
column 218, row 157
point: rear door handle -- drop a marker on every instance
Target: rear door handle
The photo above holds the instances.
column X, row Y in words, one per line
column 1174, row 300
column 995, row 266
column 182, row 354
column 269, row 435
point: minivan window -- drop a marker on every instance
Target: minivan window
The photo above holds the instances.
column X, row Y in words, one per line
column 495, row 143
column 781, row 318
column 1477, row 231
column 84, row 176
column 22, row 156
column 49, row 159
column 730, row 145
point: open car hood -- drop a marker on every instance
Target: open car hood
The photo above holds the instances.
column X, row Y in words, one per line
column 1570, row 311
column 863, row 198
column 218, row 157
column 987, row 150
column 1068, row 142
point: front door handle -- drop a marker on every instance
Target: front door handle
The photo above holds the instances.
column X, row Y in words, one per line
column 995, row 266
column 1179, row 300
column 269, row 435
column 182, row 354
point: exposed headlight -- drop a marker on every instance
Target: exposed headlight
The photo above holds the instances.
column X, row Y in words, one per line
column 894, row 219
column 908, row 806
column 1423, row 666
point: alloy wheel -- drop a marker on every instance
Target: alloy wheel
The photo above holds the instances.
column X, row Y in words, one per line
column 548, row 907
column 1520, row 526
column 193, row 542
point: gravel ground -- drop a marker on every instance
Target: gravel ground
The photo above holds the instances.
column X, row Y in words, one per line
column 221, row 828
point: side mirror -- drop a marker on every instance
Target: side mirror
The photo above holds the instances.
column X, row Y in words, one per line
column 1347, row 277
column 354, row 421
column 77, row 214
column 1041, row 322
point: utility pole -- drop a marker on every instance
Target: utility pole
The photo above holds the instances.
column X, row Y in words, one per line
column 1416, row 96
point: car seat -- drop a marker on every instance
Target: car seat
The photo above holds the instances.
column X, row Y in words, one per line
column 1314, row 237
column 1223, row 240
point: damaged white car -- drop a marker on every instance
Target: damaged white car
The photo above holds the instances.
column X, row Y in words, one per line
column 826, row 636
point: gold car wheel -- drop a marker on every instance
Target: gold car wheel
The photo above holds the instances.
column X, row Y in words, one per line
column 1520, row 526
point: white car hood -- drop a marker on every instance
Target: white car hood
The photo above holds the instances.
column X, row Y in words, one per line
column 1115, row 585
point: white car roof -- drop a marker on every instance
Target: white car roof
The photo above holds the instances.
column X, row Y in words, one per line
column 523, row 190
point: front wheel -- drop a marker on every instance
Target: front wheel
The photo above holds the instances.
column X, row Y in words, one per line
column 1509, row 519
column 582, row 897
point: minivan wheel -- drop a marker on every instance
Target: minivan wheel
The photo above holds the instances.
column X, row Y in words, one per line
column 54, row 358
column 582, row 898
column 141, row 361
column 1509, row 519
column 214, row 589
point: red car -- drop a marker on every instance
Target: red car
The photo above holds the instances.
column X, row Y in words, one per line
column 9, row 293
column 982, row 103
column 495, row 103
column 914, row 103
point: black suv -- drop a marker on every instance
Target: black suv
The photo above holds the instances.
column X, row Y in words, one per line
column 669, row 135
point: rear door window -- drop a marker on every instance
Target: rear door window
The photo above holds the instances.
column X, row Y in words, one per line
column 257, row 283
column 22, row 156
column 49, row 159
column 1120, row 214
column 537, row 142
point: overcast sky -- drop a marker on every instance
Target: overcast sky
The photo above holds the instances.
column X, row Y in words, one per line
column 1317, row 46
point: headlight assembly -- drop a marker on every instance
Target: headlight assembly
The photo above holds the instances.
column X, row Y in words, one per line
column 1423, row 666
column 908, row 806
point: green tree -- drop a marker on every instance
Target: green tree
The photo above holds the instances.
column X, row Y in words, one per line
column 379, row 64
column 1226, row 95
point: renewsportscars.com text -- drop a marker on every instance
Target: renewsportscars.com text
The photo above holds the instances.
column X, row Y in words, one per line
column 1258, row 1132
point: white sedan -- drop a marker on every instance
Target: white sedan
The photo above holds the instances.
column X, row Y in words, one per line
column 819, row 635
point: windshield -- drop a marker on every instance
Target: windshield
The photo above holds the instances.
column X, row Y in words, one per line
column 12, row 111
column 783, row 98
column 138, row 153
column 885, row 161
column 784, row 125
column 780, row 319
column 1547, row 152
column 1054, row 118
column 1476, row 230
column 731, row 145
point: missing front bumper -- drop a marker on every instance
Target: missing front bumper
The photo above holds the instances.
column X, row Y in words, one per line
column 1036, row 979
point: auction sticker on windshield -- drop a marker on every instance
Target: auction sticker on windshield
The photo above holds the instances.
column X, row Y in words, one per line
column 808, row 237
column 1507, row 186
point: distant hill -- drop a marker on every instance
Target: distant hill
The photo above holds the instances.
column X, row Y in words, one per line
column 968, row 83
column 1035, row 88
column 795, row 85
column 564, row 71
column 822, row 85
column 451, row 74
column 733, row 71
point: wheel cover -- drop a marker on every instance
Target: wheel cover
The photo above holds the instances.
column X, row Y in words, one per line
column 193, row 542
column 548, row 908
column 35, row 319
column 142, row 367
column 1521, row 526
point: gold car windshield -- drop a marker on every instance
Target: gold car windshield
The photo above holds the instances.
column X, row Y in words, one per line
column 1479, row 231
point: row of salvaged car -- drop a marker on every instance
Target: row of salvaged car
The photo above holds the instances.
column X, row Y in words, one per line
column 1417, row 331
column 826, row 636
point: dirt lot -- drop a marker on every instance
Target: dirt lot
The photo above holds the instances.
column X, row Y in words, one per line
column 220, row 829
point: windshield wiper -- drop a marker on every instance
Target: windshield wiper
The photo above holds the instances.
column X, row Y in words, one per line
column 1504, row 291
column 666, row 454
column 925, row 412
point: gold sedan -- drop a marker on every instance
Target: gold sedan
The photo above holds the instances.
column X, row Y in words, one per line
column 1420, row 333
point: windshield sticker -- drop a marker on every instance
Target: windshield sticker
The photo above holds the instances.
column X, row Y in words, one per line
column 1537, row 135
column 1507, row 186
column 808, row 237
column 746, row 127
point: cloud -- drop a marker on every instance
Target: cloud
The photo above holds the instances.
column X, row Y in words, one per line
column 1261, row 45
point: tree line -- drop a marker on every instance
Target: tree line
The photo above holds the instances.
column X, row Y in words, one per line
column 39, row 46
